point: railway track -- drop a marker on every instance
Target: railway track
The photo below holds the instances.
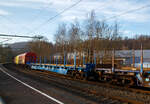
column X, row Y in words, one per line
column 102, row 92
column 99, row 83
column 94, row 86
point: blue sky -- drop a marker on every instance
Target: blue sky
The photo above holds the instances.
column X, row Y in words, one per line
column 21, row 17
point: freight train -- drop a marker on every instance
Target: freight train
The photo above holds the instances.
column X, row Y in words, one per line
column 127, row 76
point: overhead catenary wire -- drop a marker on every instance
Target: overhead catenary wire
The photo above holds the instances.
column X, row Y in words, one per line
column 6, row 40
column 127, row 12
column 5, row 35
column 9, row 29
column 21, row 36
column 5, row 26
column 12, row 21
column 51, row 18
column 38, row 14
column 22, row 26
column 109, row 18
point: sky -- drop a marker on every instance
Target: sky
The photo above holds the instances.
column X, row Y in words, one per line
column 27, row 17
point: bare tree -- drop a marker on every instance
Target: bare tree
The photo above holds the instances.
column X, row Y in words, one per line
column 42, row 48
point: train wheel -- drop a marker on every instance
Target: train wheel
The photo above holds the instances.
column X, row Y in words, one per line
column 68, row 73
column 105, row 79
column 128, row 83
column 82, row 76
column 85, row 77
column 77, row 76
column 96, row 77
column 74, row 75
column 123, row 81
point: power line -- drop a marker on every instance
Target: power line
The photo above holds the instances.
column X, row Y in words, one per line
column 5, row 40
column 104, row 6
column 38, row 37
column 51, row 18
column 5, row 26
column 38, row 14
column 109, row 18
column 10, row 20
column 126, row 12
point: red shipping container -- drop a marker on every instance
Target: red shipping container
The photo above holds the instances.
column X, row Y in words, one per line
column 27, row 58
